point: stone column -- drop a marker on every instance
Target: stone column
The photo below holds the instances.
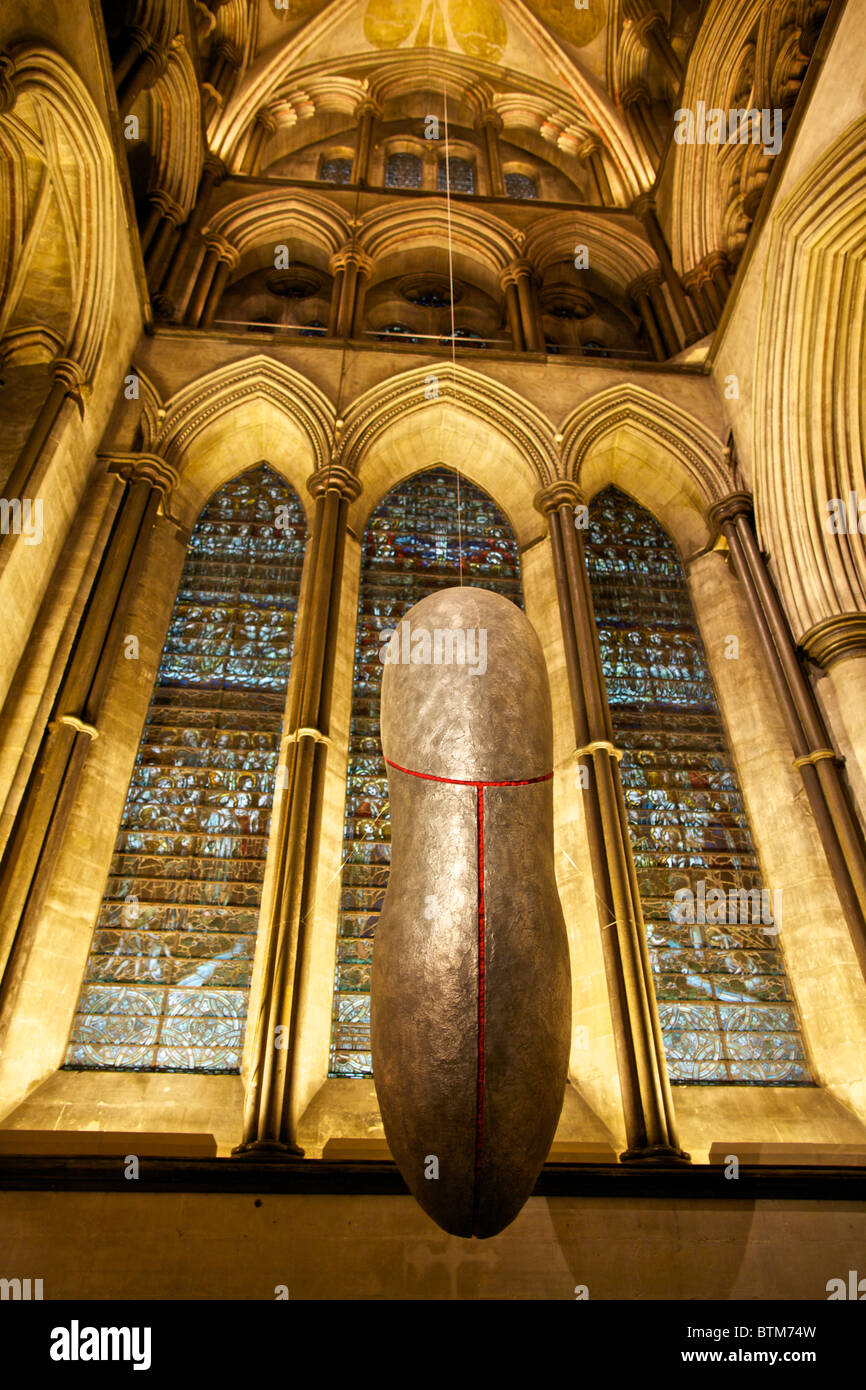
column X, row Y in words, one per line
column 814, row 756
column 168, row 296
column 146, row 70
column 227, row 259
column 351, row 268
column 264, row 125
column 161, row 243
column 270, row 1121
column 512, row 309
column 652, row 31
column 639, row 292
column 488, row 126
column 591, row 152
column 636, row 100
column 644, row 208
column 709, row 285
column 368, row 113
column 210, row 282
column 225, row 61
column 656, row 293
column 138, row 41
column 70, row 384
column 519, row 275
column 338, row 271
column 36, row 836
column 838, row 647
column 646, row 1093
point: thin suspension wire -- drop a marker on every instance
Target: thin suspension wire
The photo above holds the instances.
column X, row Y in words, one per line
column 453, row 333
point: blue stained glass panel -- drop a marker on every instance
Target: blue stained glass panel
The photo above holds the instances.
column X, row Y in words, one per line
column 727, row 1014
column 412, row 547
column 462, row 175
column 403, row 170
column 167, row 979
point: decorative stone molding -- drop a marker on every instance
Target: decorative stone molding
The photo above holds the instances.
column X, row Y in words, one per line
column 226, row 253
column 507, row 413
column 561, row 493
column 334, row 478
column 351, row 254
column 143, row 468
column 728, row 509
column 699, row 451
column 194, row 407
column 836, row 639
column 7, row 83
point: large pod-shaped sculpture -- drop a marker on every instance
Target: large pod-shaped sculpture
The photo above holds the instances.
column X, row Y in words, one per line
column 471, row 1014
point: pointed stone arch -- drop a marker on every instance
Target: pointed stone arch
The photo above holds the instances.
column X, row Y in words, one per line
column 475, row 425
column 809, row 401
column 666, row 459
column 89, row 211
column 234, row 417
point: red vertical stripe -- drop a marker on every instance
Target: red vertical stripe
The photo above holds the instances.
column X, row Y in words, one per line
column 482, row 973
column 482, row 954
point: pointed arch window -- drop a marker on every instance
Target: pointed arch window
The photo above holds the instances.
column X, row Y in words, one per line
column 727, row 1012
column 167, row 980
column 412, row 548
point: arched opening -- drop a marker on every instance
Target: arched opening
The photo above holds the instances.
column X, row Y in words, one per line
column 167, row 979
column 726, row 1006
column 413, row 546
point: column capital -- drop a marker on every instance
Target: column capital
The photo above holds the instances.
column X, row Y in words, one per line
column 351, row 254
column 634, row 94
column 367, row 106
column 334, row 477
column 519, row 269
column 167, row 206
column 705, row 270
column 156, row 58
column 7, row 83
column 644, row 206
column 225, row 252
column 642, row 284
column 214, row 167
column 224, row 48
column 266, row 120
column 735, row 505
column 593, row 144
column 489, row 117
column 72, row 375
column 142, row 468
column 561, row 493
column 834, row 639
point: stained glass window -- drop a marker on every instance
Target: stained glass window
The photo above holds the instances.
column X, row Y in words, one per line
column 727, row 1013
column 335, row 170
column 403, row 171
column 168, row 975
column 467, row 336
column 411, row 549
column 462, row 175
column 520, row 186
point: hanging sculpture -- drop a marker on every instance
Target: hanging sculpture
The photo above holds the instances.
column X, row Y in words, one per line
column 470, row 995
